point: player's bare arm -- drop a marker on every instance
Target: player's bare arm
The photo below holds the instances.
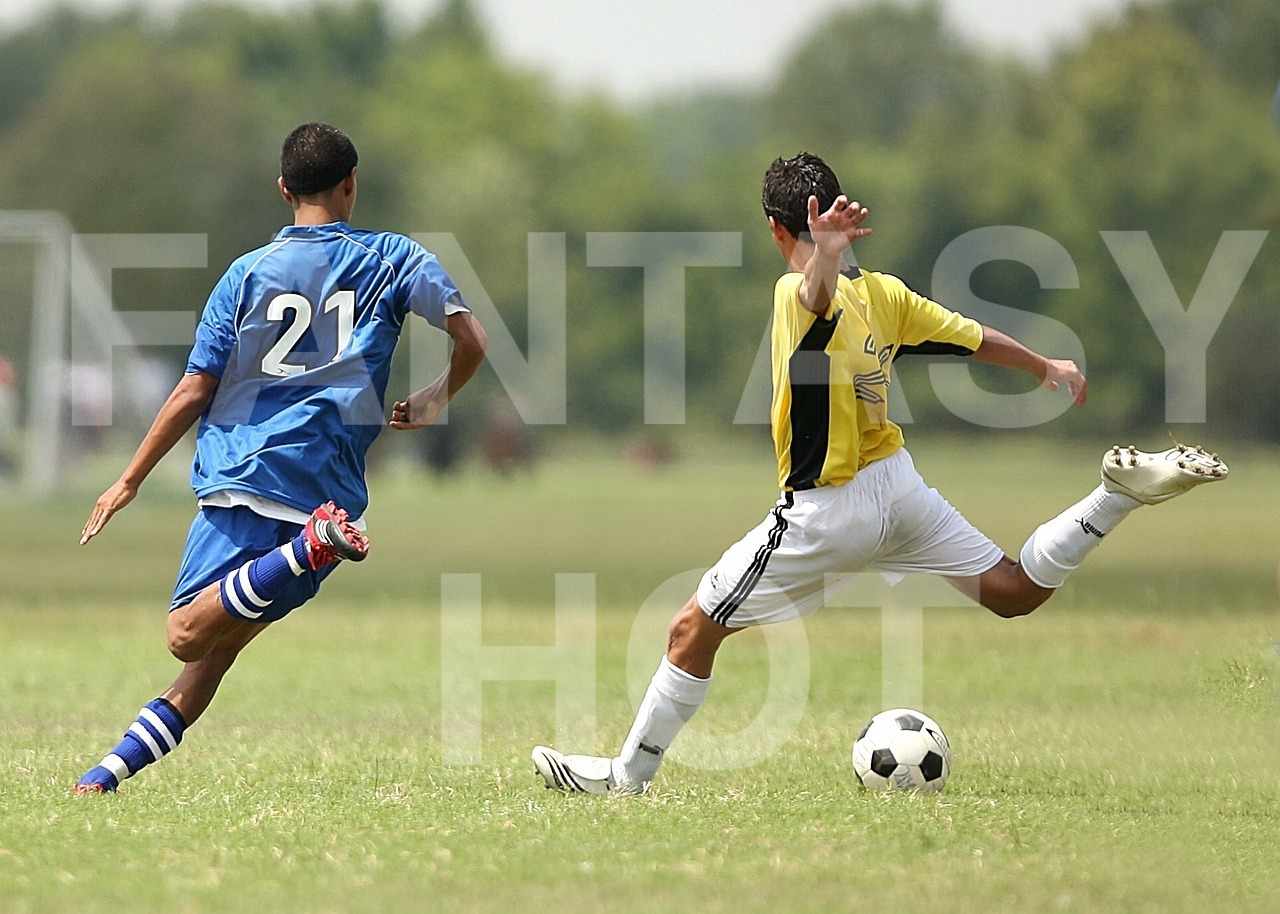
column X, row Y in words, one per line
column 1001, row 349
column 423, row 407
column 190, row 398
column 832, row 232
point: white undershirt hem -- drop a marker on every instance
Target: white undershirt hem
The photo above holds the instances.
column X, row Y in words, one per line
column 264, row 507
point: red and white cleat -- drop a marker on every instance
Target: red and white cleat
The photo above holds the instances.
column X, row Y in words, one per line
column 330, row 537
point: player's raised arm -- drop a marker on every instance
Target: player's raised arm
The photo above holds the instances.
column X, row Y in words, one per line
column 423, row 407
column 184, row 406
column 1001, row 349
column 832, row 232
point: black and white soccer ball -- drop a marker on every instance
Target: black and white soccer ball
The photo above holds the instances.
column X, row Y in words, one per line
column 902, row 749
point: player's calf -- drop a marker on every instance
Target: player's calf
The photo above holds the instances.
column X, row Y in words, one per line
column 155, row 733
column 1008, row 592
column 329, row 537
column 161, row 724
column 676, row 692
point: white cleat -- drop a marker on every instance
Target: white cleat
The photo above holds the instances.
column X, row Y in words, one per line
column 579, row 773
column 1153, row 478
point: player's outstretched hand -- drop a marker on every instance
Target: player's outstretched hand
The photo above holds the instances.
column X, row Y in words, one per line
column 1064, row 372
column 838, row 227
column 109, row 502
column 421, row 408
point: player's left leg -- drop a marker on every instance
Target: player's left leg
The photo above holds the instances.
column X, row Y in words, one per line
column 777, row 572
column 162, row 722
column 240, row 572
column 675, row 693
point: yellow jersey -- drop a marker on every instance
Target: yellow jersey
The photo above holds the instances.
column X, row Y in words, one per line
column 831, row 372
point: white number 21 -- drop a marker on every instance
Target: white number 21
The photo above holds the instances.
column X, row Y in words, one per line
column 343, row 302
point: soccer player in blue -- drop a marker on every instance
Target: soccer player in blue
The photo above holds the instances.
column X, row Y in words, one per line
column 287, row 379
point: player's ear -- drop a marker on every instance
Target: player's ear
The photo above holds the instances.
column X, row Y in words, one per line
column 349, row 192
column 284, row 192
column 780, row 234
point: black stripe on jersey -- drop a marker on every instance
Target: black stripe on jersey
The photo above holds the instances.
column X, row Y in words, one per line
column 809, row 373
column 747, row 583
column 931, row 348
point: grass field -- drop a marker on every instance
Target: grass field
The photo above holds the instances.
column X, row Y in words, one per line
column 1117, row 751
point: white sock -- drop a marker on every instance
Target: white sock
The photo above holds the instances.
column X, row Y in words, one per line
column 669, row 703
column 1059, row 546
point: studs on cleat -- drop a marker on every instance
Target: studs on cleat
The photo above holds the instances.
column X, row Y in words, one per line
column 1157, row 477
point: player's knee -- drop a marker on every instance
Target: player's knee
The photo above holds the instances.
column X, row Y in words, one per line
column 681, row 630
column 691, row 627
column 183, row 641
column 1018, row 603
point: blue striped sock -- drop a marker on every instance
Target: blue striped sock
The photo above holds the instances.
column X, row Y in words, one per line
column 157, row 732
column 251, row 588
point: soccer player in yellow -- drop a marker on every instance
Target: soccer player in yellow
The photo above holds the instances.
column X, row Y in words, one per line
column 851, row 497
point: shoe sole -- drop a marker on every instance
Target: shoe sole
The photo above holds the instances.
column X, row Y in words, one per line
column 1217, row 472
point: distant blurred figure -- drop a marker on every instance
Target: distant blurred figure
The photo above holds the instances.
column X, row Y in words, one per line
column 651, row 452
column 508, row 444
column 88, row 398
column 8, row 416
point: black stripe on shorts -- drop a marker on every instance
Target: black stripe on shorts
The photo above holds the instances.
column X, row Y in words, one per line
column 747, row 583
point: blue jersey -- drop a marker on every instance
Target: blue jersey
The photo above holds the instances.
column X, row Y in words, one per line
column 301, row 333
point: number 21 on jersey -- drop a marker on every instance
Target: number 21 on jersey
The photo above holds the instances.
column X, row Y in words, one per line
column 273, row 363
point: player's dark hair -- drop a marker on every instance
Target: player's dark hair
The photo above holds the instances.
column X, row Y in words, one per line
column 789, row 183
column 316, row 158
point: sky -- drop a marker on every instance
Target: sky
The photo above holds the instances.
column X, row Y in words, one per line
column 636, row 49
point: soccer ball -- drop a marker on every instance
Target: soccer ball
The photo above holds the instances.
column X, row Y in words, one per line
column 902, row 749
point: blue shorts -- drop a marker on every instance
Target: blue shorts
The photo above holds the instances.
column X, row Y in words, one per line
column 223, row 539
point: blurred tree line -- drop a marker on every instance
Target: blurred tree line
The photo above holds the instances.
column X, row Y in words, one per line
column 1160, row 121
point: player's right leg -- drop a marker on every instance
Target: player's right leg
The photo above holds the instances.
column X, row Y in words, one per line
column 256, row 590
column 1130, row 478
column 940, row 541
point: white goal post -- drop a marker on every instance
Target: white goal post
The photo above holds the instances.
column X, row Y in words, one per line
column 63, row 295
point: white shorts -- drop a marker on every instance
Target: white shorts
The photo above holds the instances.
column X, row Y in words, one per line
column 886, row 519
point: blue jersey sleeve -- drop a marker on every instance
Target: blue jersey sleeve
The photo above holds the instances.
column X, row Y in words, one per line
column 429, row 291
column 216, row 332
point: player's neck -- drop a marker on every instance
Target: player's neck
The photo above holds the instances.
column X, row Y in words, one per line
column 316, row 214
column 799, row 256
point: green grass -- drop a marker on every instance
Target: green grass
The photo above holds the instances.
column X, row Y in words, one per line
column 1117, row 751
